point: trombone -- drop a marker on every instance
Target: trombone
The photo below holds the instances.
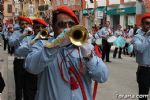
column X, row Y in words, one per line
column 78, row 35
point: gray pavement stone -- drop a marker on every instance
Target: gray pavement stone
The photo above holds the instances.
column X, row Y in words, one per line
column 6, row 67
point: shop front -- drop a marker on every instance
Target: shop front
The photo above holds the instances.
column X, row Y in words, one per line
column 123, row 16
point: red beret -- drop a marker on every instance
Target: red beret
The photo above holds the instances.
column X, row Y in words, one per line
column 68, row 11
column 146, row 15
column 40, row 21
column 22, row 18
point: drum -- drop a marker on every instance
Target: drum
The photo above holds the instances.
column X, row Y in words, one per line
column 98, row 41
column 130, row 48
column 111, row 39
column 120, row 42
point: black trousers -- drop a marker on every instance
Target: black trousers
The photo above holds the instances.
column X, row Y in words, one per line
column 143, row 80
column 25, row 83
column 105, row 50
column 5, row 43
column 125, row 49
column 2, row 83
column 115, row 52
column 132, row 54
column 10, row 49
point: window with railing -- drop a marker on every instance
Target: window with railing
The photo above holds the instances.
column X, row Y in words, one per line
column 58, row 2
column 101, row 2
column 114, row 1
column 9, row 8
column 65, row 2
column 129, row 1
column 78, row 2
column 72, row 2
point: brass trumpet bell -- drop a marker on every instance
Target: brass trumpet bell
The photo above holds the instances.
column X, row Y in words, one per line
column 30, row 32
column 44, row 34
column 78, row 35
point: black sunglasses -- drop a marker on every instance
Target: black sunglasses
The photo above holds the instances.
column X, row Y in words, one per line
column 62, row 24
column 147, row 23
column 37, row 26
column 23, row 23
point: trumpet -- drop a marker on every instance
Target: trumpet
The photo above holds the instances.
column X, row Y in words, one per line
column 44, row 34
column 41, row 35
column 30, row 32
column 78, row 35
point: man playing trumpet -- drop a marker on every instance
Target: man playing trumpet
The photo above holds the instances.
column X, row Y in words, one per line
column 141, row 45
column 32, row 36
column 26, row 47
column 24, row 86
column 65, row 71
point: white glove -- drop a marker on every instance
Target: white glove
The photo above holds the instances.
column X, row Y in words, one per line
column 148, row 33
column 61, row 40
column 66, row 40
column 37, row 37
column 26, row 30
column 87, row 48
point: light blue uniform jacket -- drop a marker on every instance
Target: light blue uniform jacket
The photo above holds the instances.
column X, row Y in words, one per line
column 141, row 45
column 44, row 62
column 25, row 47
column 101, row 32
column 15, row 40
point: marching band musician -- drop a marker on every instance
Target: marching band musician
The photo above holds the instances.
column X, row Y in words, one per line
column 63, row 73
column 23, row 79
column 118, row 33
column 130, row 36
column 125, row 35
column 7, row 35
column 104, row 33
column 26, row 47
column 141, row 45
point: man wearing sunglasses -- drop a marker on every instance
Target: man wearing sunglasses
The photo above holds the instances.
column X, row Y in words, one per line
column 141, row 43
column 24, row 81
column 65, row 72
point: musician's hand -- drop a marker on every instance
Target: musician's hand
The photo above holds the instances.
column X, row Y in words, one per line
column 61, row 40
column 104, row 36
column 65, row 41
column 37, row 37
column 26, row 31
column 148, row 33
column 87, row 48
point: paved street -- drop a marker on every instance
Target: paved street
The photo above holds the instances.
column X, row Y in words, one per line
column 122, row 79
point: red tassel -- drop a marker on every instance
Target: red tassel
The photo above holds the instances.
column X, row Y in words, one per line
column 74, row 84
column 98, row 51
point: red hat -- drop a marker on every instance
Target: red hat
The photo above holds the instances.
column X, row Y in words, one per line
column 68, row 11
column 22, row 18
column 40, row 21
column 146, row 15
